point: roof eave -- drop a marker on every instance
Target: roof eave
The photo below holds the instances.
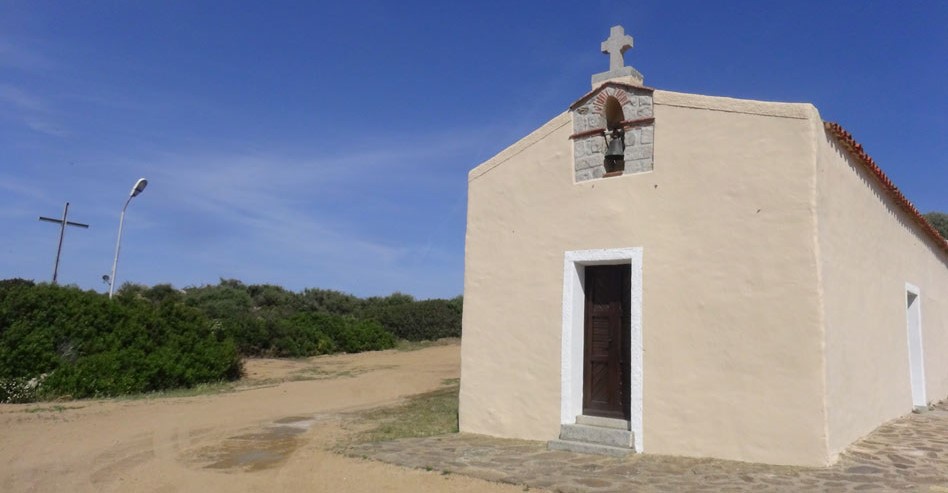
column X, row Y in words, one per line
column 855, row 149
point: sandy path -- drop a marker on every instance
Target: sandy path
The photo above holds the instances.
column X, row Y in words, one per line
column 271, row 435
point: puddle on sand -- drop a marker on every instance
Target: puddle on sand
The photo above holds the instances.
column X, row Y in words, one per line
column 298, row 422
column 272, row 433
column 256, row 459
column 260, row 449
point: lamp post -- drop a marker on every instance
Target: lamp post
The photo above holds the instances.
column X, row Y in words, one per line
column 137, row 189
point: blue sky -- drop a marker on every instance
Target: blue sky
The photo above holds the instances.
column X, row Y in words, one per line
column 318, row 144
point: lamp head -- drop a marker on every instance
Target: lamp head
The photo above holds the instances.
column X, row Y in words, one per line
column 139, row 187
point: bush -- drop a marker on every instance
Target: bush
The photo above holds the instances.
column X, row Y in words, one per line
column 329, row 301
column 420, row 320
column 352, row 335
column 228, row 299
column 939, row 220
column 309, row 334
column 17, row 390
column 58, row 341
column 294, row 337
column 86, row 346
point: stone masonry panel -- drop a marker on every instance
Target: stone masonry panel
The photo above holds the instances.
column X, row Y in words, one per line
column 589, row 150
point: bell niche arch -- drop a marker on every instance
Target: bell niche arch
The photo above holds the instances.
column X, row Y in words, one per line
column 613, row 131
column 614, row 160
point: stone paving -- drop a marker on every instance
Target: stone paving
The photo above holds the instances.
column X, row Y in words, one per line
column 908, row 454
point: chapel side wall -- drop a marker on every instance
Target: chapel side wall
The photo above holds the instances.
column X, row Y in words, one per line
column 869, row 249
column 733, row 364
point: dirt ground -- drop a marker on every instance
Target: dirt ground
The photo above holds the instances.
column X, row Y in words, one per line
column 274, row 432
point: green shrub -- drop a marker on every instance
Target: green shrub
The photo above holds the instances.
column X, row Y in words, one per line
column 227, row 299
column 353, row 335
column 17, row 390
column 295, row 338
column 63, row 341
column 938, row 220
column 420, row 320
column 268, row 320
column 329, row 301
column 85, row 345
column 307, row 334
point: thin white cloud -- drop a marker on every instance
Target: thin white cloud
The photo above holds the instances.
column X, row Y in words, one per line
column 46, row 127
column 31, row 110
column 234, row 179
column 275, row 216
column 267, row 215
column 22, row 189
column 260, row 196
column 20, row 99
column 18, row 57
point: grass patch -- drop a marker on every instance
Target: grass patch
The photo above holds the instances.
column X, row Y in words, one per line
column 406, row 345
column 200, row 389
column 433, row 413
column 50, row 409
column 311, row 373
column 317, row 373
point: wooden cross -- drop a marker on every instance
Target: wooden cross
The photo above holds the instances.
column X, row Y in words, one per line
column 62, row 232
column 616, row 46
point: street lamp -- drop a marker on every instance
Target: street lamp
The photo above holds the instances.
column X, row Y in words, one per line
column 137, row 189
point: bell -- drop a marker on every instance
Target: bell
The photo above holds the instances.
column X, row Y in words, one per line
column 615, row 149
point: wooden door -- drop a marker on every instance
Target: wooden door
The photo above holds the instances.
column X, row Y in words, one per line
column 606, row 359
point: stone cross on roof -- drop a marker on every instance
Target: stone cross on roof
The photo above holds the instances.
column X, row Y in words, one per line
column 616, row 46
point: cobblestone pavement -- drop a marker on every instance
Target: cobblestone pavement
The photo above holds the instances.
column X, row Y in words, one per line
column 909, row 454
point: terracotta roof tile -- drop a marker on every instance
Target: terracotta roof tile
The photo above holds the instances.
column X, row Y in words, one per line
column 859, row 154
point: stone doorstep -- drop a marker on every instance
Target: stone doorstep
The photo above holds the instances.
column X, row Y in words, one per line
column 619, row 424
column 597, row 435
column 588, row 448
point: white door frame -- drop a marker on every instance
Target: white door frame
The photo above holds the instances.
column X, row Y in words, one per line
column 913, row 317
column 574, row 305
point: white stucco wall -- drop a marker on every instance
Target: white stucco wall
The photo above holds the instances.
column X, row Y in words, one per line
column 869, row 249
column 731, row 318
